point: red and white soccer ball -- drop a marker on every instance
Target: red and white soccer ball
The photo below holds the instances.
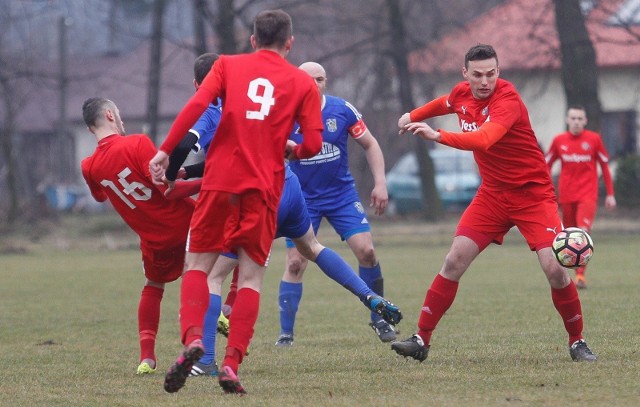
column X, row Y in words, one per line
column 573, row 247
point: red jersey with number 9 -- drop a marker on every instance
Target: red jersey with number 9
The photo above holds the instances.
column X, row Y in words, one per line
column 119, row 171
column 262, row 96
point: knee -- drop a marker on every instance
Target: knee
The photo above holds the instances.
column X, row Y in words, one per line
column 367, row 257
column 296, row 266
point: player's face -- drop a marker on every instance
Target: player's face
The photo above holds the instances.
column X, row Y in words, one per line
column 316, row 71
column 576, row 120
column 482, row 76
column 118, row 122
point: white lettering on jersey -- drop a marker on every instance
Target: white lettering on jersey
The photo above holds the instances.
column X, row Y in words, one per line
column 265, row 98
column 576, row 158
column 328, row 153
column 468, row 126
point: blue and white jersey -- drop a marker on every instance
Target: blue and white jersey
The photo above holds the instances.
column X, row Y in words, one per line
column 205, row 127
column 327, row 174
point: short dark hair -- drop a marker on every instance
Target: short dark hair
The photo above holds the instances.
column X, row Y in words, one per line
column 202, row 66
column 272, row 28
column 92, row 108
column 577, row 107
column 480, row 52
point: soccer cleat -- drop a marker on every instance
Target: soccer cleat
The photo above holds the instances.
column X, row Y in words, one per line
column 388, row 311
column 385, row 332
column 145, row 368
column 581, row 283
column 580, row 352
column 177, row 374
column 412, row 347
column 229, row 382
column 285, row 340
column 223, row 325
column 200, row 369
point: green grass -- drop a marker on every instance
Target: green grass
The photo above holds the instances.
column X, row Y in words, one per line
column 68, row 330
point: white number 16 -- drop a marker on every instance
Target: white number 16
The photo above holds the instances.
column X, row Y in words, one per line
column 264, row 99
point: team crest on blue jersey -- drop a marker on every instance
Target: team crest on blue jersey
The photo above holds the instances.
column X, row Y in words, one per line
column 332, row 125
column 359, row 207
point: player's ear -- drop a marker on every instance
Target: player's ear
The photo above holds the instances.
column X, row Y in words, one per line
column 253, row 41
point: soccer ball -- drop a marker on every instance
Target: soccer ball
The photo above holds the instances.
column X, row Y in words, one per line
column 573, row 247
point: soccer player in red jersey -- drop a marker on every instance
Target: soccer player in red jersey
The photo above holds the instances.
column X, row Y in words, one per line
column 263, row 95
column 118, row 171
column 516, row 190
column 579, row 150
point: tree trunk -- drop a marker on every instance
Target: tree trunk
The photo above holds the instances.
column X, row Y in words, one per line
column 6, row 143
column 224, row 27
column 399, row 53
column 155, row 65
column 579, row 68
column 200, row 34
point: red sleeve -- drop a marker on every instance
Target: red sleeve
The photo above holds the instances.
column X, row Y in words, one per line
column 483, row 138
column 437, row 107
column 209, row 90
column 310, row 120
column 183, row 189
column 552, row 154
column 603, row 158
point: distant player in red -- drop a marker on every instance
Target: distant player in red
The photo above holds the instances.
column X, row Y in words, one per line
column 118, row 171
column 263, row 95
column 516, row 190
column 579, row 150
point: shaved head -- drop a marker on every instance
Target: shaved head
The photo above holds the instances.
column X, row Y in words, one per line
column 317, row 72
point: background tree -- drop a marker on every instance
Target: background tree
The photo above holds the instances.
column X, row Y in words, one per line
column 579, row 68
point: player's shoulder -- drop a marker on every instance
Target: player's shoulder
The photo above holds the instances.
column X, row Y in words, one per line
column 505, row 88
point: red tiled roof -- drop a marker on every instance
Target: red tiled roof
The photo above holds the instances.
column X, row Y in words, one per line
column 523, row 32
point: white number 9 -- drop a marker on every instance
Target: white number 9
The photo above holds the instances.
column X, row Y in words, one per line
column 264, row 99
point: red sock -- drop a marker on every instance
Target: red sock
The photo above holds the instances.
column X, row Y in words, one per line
column 148, row 320
column 439, row 298
column 194, row 301
column 580, row 272
column 567, row 302
column 233, row 289
column 242, row 322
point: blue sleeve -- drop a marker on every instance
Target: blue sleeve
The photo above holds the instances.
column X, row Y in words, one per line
column 206, row 126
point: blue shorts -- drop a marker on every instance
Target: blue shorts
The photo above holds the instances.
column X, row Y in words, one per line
column 346, row 214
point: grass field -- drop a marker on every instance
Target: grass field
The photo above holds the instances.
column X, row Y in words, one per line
column 68, row 331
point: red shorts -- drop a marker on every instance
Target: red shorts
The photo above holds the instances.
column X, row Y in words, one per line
column 532, row 208
column 223, row 222
column 163, row 265
column 579, row 214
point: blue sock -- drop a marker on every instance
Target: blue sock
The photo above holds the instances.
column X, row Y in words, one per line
column 289, row 299
column 373, row 277
column 338, row 270
column 209, row 329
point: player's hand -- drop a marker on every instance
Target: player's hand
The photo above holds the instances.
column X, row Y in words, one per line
column 171, row 185
column 610, row 202
column 289, row 152
column 158, row 165
column 423, row 130
column 379, row 199
column 182, row 173
column 403, row 121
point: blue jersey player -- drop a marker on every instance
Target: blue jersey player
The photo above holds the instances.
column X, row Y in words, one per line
column 292, row 222
column 329, row 190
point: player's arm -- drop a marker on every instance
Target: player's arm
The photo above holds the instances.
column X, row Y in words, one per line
column 179, row 155
column 194, row 170
column 310, row 120
column 603, row 159
column 437, row 107
column 552, row 155
column 375, row 159
column 181, row 189
column 482, row 139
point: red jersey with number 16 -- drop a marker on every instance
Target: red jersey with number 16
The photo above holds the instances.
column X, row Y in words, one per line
column 263, row 95
column 515, row 159
column 119, row 171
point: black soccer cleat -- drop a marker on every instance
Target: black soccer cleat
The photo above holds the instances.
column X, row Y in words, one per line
column 412, row 347
column 580, row 352
column 387, row 310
